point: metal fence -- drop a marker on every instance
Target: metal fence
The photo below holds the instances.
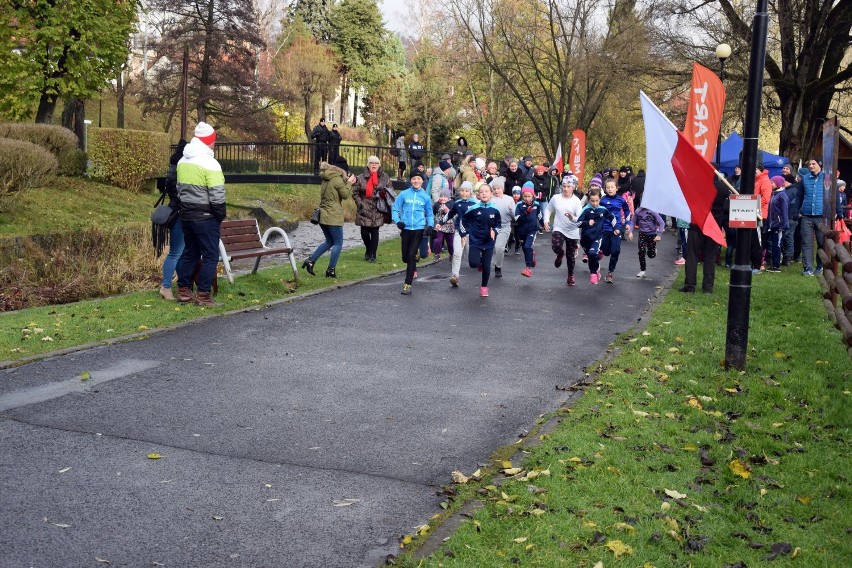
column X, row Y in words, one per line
column 298, row 157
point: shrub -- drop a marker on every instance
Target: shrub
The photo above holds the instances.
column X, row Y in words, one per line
column 54, row 138
column 126, row 158
column 240, row 166
column 72, row 162
column 22, row 165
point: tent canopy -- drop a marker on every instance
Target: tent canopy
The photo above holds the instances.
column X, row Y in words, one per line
column 733, row 146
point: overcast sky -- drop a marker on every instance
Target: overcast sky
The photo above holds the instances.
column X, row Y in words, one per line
column 394, row 12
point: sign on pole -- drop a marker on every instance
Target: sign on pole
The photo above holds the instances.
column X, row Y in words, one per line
column 743, row 211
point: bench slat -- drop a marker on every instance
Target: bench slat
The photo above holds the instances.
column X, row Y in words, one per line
column 244, row 246
column 251, row 253
column 239, row 223
column 253, row 238
column 240, row 231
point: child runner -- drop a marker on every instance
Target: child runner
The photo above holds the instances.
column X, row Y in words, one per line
column 529, row 218
column 460, row 244
column 444, row 232
column 513, row 238
column 650, row 226
column 506, row 206
column 611, row 244
column 481, row 223
column 565, row 208
column 412, row 213
column 778, row 221
column 592, row 222
column 682, row 234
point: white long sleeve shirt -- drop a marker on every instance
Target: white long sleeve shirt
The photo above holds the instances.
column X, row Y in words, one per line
column 565, row 211
column 506, row 205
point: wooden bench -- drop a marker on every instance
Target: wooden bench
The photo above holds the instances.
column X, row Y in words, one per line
column 241, row 239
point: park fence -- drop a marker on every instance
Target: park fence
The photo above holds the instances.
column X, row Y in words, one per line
column 835, row 281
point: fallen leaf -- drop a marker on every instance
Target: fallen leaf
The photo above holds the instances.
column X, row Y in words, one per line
column 520, row 539
column 344, row 502
column 739, row 468
column 674, row 494
column 64, row 469
column 600, row 564
column 512, row 471
column 665, row 506
column 102, row 560
column 154, row 456
column 85, row 376
column 804, row 499
column 618, row 548
column 692, row 401
column 407, row 539
column 61, row 525
column 640, row 413
column 459, row 477
column 624, row 527
column 217, row 517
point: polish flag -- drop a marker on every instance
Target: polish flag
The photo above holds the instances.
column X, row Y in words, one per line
column 557, row 161
column 679, row 180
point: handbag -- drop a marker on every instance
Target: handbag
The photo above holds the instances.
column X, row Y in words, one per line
column 315, row 216
column 381, row 203
column 162, row 220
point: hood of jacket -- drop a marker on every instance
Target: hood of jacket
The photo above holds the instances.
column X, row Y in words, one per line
column 197, row 148
column 328, row 171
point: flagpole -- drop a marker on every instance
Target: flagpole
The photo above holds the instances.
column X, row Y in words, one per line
column 739, row 294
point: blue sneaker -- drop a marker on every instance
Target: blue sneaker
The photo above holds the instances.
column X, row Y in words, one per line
column 818, row 271
column 756, row 271
column 807, row 272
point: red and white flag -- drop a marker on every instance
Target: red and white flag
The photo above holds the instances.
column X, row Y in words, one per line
column 557, row 161
column 704, row 117
column 679, row 180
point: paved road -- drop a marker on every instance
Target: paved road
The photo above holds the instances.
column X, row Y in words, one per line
column 308, row 434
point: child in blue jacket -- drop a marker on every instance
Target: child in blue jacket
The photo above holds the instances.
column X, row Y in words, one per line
column 779, row 221
column 529, row 218
column 620, row 209
column 412, row 213
column 480, row 224
column 593, row 221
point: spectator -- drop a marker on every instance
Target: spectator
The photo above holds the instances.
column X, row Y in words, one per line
column 320, row 136
column 415, row 151
column 368, row 189
column 515, row 175
column 504, row 166
column 461, row 145
column 701, row 247
column 175, row 231
column 638, row 188
column 336, row 186
column 201, row 190
column 402, row 156
column 792, row 191
column 334, row 139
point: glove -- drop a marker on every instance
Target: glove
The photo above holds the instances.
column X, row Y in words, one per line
column 401, row 225
column 219, row 211
column 428, row 231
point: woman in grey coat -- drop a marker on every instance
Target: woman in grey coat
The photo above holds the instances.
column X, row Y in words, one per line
column 368, row 189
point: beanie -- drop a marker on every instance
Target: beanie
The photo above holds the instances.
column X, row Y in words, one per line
column 498, row 182
column 778, row 181
column 597, row 180
column 516, row 190
column 416, row 173
column 527, row 159
column 466, row 185
column 790, row 178
column 341, row 163
column 480, row 164
column 205, row 133
column 841, row 182
column 539, row 170
column 444, row 165
column 446, row 193
column 451, row 173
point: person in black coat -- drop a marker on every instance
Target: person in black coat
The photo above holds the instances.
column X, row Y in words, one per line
column 176, row 243
column 699, row 246
column 638, row 188
column 334, row 139
column 320, row 136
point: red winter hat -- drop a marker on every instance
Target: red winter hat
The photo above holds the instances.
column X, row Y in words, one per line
column 205, row 133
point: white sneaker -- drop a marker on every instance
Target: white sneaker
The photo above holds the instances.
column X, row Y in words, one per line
column 641, row 274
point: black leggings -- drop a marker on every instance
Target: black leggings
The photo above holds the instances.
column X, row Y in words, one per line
column 479, row 256
column 410, row 244
column 370, row 236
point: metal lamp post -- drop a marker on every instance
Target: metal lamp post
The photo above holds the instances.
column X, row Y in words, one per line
column 286, row 125
column 723, row 52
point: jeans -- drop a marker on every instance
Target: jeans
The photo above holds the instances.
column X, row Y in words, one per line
column 776, row 236
column 808, row 224
column 731, row 239
column 789, row 238
column 333, row 240
column 176, row 246
column 201, row 242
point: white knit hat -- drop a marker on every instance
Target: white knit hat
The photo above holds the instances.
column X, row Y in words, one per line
column 480, row 164
column 205, row 132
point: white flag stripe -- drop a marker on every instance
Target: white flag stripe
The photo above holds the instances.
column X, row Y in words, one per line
column 662, row 190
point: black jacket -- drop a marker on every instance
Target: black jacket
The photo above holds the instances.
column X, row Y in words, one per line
column 320, row 134
column 334, row 138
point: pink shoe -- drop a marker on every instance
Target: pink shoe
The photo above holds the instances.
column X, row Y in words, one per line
column 415, row 274
column 483, row 291
column 571, row 280
column 594, row 278
column 526, row 272
column 680, row 261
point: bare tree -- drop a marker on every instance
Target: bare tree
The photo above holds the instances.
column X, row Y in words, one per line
column 807, row 62
column 306, row 70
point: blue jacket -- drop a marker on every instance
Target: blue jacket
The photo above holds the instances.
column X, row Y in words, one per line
column 779, row 210
column 616, row 205
column 602, row 217
column 459, row 208
column 477, row 223
column 414, row 208
column 810, row 193
column 792, row 192
column 528, row 218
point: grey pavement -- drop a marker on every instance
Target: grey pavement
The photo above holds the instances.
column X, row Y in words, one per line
column 313, row 433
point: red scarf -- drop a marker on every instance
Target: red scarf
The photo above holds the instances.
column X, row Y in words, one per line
column 372, row 183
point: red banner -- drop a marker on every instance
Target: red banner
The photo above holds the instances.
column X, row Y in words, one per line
column 704, row 116
column 577, row 158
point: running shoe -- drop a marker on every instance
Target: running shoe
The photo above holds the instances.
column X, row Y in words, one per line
column 406, row 290
column 483, row 291
column 526, row 272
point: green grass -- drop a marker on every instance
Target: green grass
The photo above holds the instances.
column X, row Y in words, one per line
column 25, row 333
column 646, row 422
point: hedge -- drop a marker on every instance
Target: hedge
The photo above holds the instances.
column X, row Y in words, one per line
column 240, row 166
column 126, row 158
column 22, row 165
column 58, row 140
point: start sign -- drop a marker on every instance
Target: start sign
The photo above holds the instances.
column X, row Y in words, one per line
column 743, row 211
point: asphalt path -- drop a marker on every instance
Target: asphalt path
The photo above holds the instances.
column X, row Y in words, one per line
column 312, row 433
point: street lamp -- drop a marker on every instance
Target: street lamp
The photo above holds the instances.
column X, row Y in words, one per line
column 286, row 125
column 723, row 52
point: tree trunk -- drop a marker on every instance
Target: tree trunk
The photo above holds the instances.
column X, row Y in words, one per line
column 120, row 90
column 73, row 118
column 46, row 107
column 355, row 111
column 344, row 96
